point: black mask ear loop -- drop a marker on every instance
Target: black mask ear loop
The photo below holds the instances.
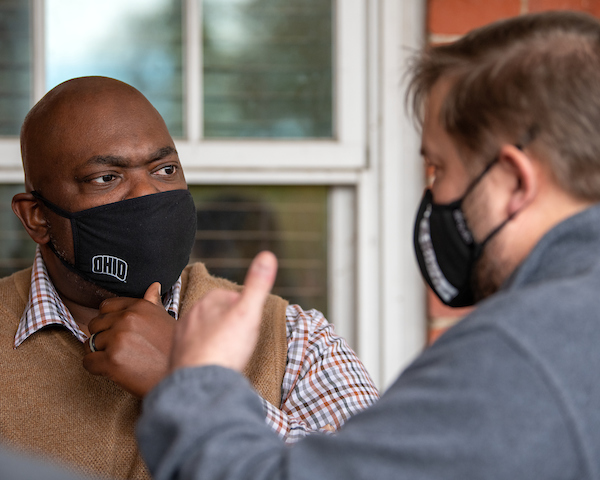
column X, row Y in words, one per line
column 530, row 135
column 478, row 178
column 527, row 138
column 479, row 246
column 55, row 208
column 63, row 213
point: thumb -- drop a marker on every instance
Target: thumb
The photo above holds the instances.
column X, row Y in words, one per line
column 153, row 294
column 259, row 282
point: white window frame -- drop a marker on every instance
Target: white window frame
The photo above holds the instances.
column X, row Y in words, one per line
column 376, row 296
column 345, row 151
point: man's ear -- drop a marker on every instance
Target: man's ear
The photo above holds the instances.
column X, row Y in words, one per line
column 524, row 174
column 26, row 207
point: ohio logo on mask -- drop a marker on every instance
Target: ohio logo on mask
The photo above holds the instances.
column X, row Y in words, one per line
column 109, row 265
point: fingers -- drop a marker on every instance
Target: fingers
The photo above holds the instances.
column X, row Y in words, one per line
column 153, row 294
column 115, row 304
column 94, row 363
column 259, row 282
column 97, row 363
column 222, row 328
column 118, row 305
column 98, row 343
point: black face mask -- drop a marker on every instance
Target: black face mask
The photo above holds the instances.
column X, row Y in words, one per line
column 445, row 248
column 126, row 246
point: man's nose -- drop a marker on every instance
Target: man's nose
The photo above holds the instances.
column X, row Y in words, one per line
column 141, row 187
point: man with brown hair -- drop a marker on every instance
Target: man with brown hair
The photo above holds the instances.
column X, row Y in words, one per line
column 510, row 114
column 87, row 331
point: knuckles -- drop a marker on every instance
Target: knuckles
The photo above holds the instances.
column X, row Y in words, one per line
column 121, row 341
column 129, row 320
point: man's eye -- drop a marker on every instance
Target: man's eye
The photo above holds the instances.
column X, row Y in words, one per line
column 168, row 170
column 103, row 179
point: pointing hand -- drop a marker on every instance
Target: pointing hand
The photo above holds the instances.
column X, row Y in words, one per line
column 222, row 328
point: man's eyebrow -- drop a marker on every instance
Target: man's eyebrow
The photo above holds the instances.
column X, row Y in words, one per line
column 112, row 160
column 117, row 161
column 162, row 153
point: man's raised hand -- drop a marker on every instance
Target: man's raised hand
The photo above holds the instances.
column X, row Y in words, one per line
column 222, row 328
column 133, row 341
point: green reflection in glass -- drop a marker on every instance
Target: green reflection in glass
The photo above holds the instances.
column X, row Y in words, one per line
column 136, row 41
column 267, row 68
column 237, row 222
column 15, row 65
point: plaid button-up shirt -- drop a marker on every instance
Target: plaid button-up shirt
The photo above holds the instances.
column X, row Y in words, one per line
column 323, row 385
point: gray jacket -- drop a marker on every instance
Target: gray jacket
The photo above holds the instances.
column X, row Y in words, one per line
column 511, row 392
column 16, row 465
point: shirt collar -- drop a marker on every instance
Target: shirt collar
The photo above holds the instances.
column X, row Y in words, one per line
column 45, row 306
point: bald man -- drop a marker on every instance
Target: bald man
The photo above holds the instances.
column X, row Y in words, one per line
column 86, row 331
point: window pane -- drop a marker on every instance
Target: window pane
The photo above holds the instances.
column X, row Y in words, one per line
column 235, row 223
column 15, row 64
column 17, row 249
column 267, row 68
column 136, row 41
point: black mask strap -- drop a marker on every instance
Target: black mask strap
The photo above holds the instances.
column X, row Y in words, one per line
column 480, row 176
column 63, row 213
column 527, row 138
column 479, row 246
column 62, row 260
column 55, row 208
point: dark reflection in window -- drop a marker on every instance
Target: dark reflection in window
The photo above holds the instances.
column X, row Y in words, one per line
column 235, row 223
column 268, row 68
column 15, row 65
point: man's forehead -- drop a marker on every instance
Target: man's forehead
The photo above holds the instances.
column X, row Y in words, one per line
column 114, row 125
column 92, row 101
column 99, row 112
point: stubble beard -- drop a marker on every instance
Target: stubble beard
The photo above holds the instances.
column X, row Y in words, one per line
column 488, row 271
column 487, row 274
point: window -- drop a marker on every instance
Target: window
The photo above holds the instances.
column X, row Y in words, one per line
column 138, row 41
column 267, row 65
column 16, row 246
column 236, row 222
column 15, row 65
column 267, row 69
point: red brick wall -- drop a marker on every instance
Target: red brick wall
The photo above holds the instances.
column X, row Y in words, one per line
column 455, row 17
column 446, row 21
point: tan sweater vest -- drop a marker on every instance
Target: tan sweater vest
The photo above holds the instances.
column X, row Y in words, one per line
column 52, row 406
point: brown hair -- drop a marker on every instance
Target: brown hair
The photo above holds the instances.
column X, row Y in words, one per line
column 531, row 79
